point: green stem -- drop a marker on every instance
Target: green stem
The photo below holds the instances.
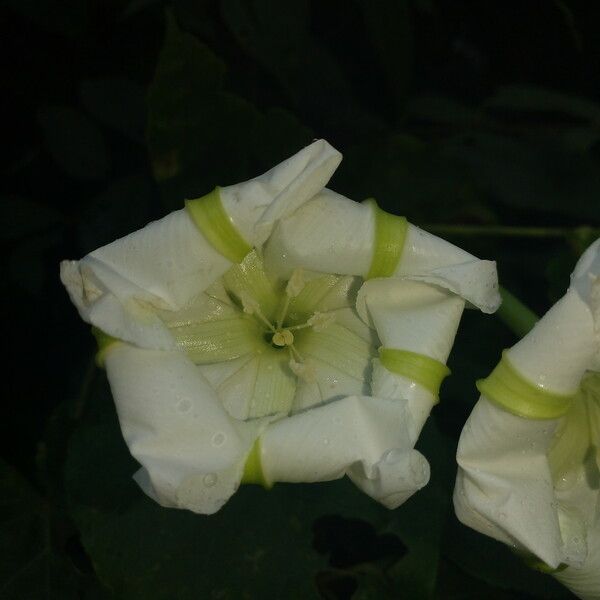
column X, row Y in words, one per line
column 508, row 231
column 519, row 318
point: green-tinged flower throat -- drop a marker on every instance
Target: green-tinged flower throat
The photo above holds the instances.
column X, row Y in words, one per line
column 275, row 337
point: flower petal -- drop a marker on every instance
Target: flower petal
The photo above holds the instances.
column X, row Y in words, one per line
column 364, row 437
column 256, row 205
column 585, row 581
column 168, row 262
column 333, row 234
column 512, row 483
column 415, row 317
column 192, row 451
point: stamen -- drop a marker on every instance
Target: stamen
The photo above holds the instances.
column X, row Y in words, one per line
column 283, row 338
column 304, row 370
column 320, row 321
column 294, row 286
column 296, row 283
column 251, row 307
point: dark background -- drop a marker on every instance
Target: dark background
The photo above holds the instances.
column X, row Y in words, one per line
column 471, row 118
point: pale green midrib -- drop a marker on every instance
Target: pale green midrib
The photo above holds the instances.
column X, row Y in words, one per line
column 218, row 340
column 250, row 278
column 274, row 389
column 307, row 302
column 350, row 355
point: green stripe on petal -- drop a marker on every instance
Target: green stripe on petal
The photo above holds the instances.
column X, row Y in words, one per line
column 390, row 235
column 305, row 303
column 249, row 279
column 338, row 347
column 275, row 385
column 507, row 388
column 577, row 439
column 253, row 472
column 217, row 227
column 215, row 341
column 419, row 368
column 104, row 342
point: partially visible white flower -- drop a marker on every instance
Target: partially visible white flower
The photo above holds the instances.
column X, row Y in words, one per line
column 529, row 459
column 243, row 335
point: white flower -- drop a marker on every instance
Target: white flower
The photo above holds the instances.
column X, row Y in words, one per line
column 247, row 337
column 529, row 457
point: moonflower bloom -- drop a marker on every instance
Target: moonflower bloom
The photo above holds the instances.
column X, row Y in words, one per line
column 274, row 330
column 529, row 454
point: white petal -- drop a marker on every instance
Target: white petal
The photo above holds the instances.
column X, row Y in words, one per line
column 504, row 486
column 560, row 348
column 584, row 581
column 193, row 452
column 353, row 436
column 413, row 316
column 168, row 262
column 162, row 266
column 429, row 258
column 334, row 234
column 254, row 206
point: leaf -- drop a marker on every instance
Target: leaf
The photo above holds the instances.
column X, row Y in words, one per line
column 405, row 175
column 71, row 17
column 531, row 98
column 125, row 206
column 278, row 36
column 492, row 562
column 388, row 26
column 118, row 103
column 258, row 546
column 420, row 522
column 199, row 134
column 29, row 566
column 442, row 110
column 74, row 142
column 22, row 217
column 530, row 175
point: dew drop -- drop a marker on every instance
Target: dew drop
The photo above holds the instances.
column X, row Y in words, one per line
column 325, row 441
column 210, row 479
column 184, row 405
column 218, row 439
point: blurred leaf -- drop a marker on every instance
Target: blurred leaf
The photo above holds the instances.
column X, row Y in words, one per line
column 74, row 142
column 125, row 206
column 22, row 217
column 530, row 175
column 442, row 110
column 530, row 98
column 420, row 522
column 68, row 17
column 389, row 28
column 493, row 562
column 258, row 546
column 199, row 134
column 28, row 261
column 29, row 566
column 278, row 36
column 118, row 103
column 136, row 6
column 406, row 176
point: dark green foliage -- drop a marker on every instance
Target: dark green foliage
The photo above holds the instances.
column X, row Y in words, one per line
column 456, row 116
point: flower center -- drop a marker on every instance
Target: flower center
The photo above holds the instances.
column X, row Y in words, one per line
column 271, row 347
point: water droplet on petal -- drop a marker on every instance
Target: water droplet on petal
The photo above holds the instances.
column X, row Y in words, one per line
column 218, row 439
column 184, row 405
column 210, row 479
